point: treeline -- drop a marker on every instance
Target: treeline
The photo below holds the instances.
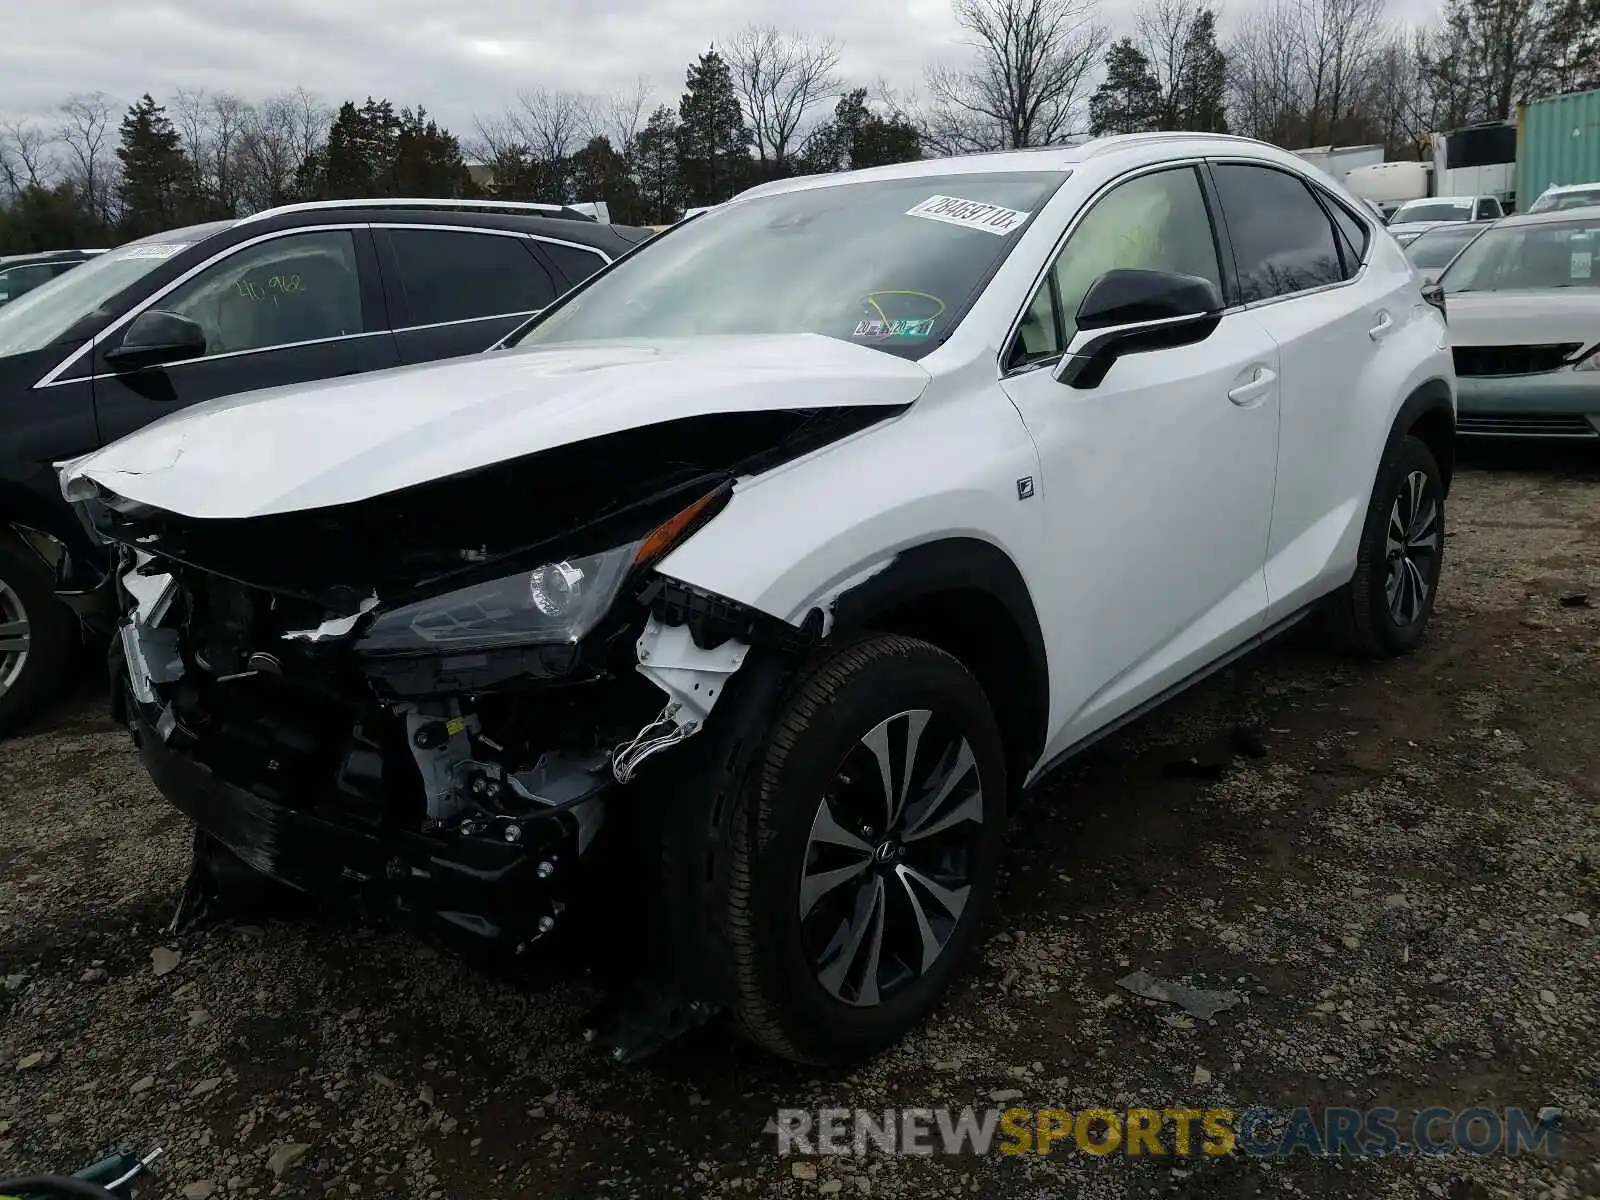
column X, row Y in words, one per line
column 764, row 105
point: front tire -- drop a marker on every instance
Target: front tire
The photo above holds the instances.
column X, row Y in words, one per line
column 1384, row 610
column 36, row 636
column 866, row 844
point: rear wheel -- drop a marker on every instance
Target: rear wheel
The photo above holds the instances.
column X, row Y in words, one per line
column 1384, row 610
column 36, row 636
column 866, row 845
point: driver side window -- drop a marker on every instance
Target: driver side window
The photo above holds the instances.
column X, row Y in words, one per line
column 1155, row 222
column 297, row 288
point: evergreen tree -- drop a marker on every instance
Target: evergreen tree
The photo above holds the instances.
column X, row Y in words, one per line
column 1203, row 89
column 155, row 188
column 363, row 145
column 427, row 159
column 858, row 137
column 48, row 218
column 655, row 158
column 600, row 173
column 1129, row 101
column 713, row 143
column 883, row 140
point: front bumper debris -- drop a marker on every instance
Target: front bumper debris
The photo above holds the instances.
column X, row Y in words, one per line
column 502, row 891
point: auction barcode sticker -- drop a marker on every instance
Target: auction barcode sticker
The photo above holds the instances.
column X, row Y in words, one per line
column 970, row 214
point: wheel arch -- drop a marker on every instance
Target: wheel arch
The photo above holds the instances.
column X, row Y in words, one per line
column 967, row 597
column 1428, row 414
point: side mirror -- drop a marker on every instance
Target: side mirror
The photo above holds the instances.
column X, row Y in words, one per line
column 1433, row 293
column 155, row 337
column 1135, row 311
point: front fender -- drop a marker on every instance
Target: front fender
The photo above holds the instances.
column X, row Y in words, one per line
column 794, row 539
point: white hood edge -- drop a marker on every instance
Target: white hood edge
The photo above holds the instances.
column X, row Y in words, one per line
column 1530, row 318
column 323, row 444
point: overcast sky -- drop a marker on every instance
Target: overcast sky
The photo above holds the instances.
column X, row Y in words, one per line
column 457, row 58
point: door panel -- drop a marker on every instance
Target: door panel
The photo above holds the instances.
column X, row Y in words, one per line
column 1158, row 481
column 1288, row 239
column 1158, row 488
column 292, row 309
column 38, row 428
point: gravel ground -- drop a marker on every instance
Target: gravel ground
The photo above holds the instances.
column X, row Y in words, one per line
column 1403, row 888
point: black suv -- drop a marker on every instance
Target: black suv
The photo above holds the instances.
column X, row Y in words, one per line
column 21, row 273
column 290, row 295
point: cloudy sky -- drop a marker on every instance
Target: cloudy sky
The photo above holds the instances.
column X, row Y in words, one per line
column 457, row 58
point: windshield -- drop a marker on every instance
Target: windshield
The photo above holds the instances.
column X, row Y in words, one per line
column 1438, row 246
column 1560, row 201
column 891, row 264
column 46, row 314
column 1523, row 257
column 1433, row 210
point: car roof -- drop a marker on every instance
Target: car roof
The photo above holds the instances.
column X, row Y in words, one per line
column 545, row 221
column 1557, row 189
column 1555, row 216
column 46, row 256
column 1044, row 159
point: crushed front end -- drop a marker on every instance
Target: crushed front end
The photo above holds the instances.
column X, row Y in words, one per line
column 419, row 707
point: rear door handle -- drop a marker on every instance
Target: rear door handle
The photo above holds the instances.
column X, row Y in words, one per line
column 1381, row 330
column 1252, row 392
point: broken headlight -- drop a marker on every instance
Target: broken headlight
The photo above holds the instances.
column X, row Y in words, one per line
column 556, row 602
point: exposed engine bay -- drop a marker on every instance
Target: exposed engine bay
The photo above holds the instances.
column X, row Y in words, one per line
column 422, row 706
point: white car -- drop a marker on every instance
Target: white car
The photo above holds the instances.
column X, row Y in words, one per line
column 1410, row 221
column 753, row 585
column 1558, row 197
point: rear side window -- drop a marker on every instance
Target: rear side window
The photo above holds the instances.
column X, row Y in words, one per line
column 1282, row 240
column 1353, row 235
column 454, row 276
column 576, row 264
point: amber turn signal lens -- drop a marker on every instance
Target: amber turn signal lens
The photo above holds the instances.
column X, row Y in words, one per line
column 665, row 535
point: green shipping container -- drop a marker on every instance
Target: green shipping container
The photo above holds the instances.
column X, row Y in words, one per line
column 1558, row 142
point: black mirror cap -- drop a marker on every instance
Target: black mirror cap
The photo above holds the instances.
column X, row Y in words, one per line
column 1433, row 293
column 158, row 336
column 1129, row 296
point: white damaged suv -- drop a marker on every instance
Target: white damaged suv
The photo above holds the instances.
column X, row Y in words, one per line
column 746, row 588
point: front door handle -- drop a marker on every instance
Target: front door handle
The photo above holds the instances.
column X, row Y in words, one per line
column 1381, row 330
column 1255, row 389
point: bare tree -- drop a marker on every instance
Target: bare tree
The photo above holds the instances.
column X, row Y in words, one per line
column 1034, row 60
column 85, row 135
column 26, row 160
column 780, row 78
column 191, row 118
column 552, row 124
column 623, row 113
column 1166, row 36
column 1340, row 41
column 276, row 138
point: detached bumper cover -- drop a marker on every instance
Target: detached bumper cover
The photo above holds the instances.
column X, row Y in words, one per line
column 492, row 890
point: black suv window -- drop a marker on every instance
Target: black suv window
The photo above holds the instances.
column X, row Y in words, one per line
column 1157, row 221
column 1282, row 240
column 298, row 288
column 575, row 263
column 450, row 275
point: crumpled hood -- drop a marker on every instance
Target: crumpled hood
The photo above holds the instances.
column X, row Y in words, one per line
column 317, row 445
column 1531, row 318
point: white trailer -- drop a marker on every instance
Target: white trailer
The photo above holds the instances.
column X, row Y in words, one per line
column 1391, row 184
column 1339, row 161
